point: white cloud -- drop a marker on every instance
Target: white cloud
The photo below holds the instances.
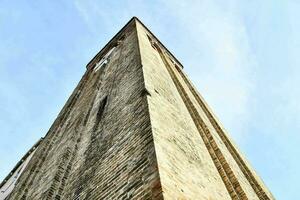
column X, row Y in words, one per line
column 224, row 70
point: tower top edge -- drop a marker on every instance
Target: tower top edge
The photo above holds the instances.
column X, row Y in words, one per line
column 112, row 42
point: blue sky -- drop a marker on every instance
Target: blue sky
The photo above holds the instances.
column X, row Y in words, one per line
column 243, row 56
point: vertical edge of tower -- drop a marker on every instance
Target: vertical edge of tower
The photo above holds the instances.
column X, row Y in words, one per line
column 196, row 159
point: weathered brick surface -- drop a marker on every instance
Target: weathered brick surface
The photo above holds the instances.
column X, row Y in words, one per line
column 185, row 167
column 136, row 128
column 101, row 145
column 195, row 157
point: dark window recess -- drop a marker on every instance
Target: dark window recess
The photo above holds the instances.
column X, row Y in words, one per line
column 120, row 40
column 151, row 41
column 100, row 112
column 149, row 38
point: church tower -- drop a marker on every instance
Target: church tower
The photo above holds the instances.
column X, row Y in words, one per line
column 134, row 128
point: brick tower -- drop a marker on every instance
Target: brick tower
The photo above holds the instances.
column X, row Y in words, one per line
column 134, row 128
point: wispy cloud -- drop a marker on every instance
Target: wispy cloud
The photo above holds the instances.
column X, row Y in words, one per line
column 220, row 61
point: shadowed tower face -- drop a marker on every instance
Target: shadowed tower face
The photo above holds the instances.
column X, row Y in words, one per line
column 134, row 128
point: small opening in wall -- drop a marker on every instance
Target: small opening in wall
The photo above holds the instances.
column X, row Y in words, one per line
column 101, row 108
column 151, row 41
column 100, row 111
column 104, row 59
column 121, row 38
column 149, row 38
column 177, row 66
column 119, row 41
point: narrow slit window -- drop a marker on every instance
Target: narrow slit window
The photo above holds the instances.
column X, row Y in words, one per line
column 100, row 111
column 151, row 41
